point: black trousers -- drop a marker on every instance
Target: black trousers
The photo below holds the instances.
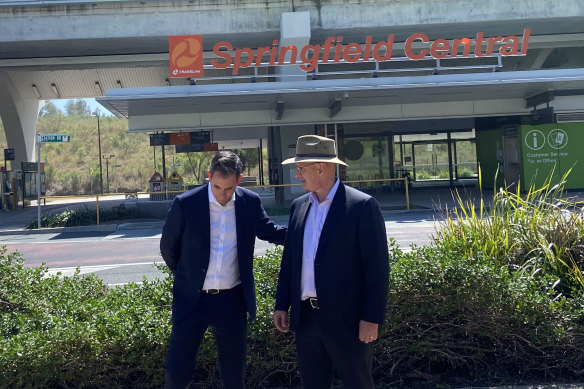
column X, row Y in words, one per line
column 226, row 314
column 318, row 352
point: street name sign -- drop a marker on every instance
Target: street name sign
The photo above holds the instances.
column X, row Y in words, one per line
column 53, row 138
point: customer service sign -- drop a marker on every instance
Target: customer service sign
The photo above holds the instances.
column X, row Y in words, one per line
column 186, row 51
column 553, row 149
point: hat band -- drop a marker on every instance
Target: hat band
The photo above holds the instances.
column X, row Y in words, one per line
column 316, row 155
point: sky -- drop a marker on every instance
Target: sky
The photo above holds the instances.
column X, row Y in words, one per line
column 91, row 103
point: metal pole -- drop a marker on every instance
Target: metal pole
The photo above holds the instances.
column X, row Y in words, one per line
column 107, row 173
column 100, row 166
column 38, row 181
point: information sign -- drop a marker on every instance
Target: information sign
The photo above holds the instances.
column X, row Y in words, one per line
column 53, row 138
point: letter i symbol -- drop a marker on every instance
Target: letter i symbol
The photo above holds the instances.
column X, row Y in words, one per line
column 535, row 140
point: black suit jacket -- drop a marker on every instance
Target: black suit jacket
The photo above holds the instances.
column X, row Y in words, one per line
column 185, row 244
column 351, row 265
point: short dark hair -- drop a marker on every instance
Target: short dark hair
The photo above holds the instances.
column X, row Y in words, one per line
column 226, row 163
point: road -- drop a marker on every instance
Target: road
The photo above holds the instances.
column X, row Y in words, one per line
column 128, row 255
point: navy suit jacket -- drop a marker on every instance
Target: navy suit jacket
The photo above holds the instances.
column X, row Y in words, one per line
column 185, row 244
column 351, row 266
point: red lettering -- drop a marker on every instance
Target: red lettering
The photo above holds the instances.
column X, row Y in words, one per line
column 510, row 45
column 273, row 52
column 338, row 49
column 237, row 64
column 525, row 41
column 221, row 54
column 491, row 44
column 388, row 49
column 439, row 48
column 367, row 51
column 479, row 44
column 456, row 44
column 260, row 53
column 309, row 64
column 284, row 50
column 328, row 44
column 408, row 46
column 352, row 52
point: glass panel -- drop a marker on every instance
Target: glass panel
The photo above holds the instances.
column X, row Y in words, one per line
column 368, row 159
column 466, row 157
column 431, row 161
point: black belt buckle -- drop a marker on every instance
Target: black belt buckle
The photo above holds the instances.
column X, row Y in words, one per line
column 212, row 291
column 313, row 302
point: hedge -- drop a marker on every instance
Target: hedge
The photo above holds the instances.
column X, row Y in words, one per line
column 457, row 316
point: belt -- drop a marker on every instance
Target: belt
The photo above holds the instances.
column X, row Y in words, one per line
column 311, row 302
column 213, row 291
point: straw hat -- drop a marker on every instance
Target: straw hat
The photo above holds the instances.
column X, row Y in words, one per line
column 314, row 148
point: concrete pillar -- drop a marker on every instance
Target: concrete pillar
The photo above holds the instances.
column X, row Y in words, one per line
column 294, row 31
column 19, row 117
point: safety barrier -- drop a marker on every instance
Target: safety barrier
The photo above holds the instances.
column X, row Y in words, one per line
column 169, row 195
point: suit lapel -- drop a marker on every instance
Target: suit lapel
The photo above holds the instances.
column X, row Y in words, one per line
column 239, row 220
column 205, row 219
column 334, row 216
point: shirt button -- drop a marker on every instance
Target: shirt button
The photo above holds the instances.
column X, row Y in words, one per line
column 203, row 270
column 198, row 290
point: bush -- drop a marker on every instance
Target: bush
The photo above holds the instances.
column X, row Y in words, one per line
column 497, row 298
column 75, row 332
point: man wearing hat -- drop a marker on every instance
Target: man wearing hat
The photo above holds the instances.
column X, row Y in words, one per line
column 334, row 273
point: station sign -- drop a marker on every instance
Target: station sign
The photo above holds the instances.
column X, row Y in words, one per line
column 197, row 147
column 180, row 138
column 53, row 138
column 186, row 55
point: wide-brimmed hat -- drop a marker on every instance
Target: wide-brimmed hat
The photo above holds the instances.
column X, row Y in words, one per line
column 314, row 148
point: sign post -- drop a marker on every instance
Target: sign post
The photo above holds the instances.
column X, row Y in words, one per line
column 51, row 138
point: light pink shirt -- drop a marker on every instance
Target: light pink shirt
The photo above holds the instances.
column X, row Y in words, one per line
column 223, row 270
column 312, row 229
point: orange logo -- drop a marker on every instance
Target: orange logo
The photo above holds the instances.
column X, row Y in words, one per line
column 186, row 56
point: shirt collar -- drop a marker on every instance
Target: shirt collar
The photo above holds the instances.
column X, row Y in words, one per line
column 212, row 198
column 314, row 199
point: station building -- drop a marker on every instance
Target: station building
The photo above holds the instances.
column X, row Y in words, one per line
column 431, row 102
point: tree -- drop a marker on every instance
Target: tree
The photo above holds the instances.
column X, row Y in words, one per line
column 77, row 108
column 249, row 158
column 50, row 110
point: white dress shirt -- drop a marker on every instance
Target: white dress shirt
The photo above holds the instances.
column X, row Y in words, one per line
column 312, row 229
column 223, row 270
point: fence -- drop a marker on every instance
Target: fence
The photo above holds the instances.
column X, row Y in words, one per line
column 394, row 183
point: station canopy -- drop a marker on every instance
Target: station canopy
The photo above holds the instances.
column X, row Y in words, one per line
column 340, row 100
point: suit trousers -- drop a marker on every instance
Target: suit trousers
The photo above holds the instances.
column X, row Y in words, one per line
column 226, row 314
column 319, row 351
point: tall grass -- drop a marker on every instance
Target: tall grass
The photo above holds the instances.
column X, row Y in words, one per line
column 540, row 231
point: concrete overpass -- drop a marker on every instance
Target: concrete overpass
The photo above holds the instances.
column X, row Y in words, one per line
column 73, row 49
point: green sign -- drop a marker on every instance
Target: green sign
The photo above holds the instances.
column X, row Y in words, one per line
column 53, row 138
column 556, row 148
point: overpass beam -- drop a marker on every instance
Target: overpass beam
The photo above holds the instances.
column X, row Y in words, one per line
column 19, row 117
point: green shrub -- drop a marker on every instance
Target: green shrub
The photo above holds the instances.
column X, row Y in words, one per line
column 497, row 297
column 454, row 319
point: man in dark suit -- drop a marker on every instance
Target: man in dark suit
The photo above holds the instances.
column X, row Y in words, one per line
column 334, row 274
column 208, row 243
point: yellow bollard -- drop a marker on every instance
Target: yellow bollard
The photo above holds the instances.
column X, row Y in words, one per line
column 406, row 183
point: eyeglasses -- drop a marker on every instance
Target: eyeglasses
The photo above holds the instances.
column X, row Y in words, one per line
column 300, row 169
